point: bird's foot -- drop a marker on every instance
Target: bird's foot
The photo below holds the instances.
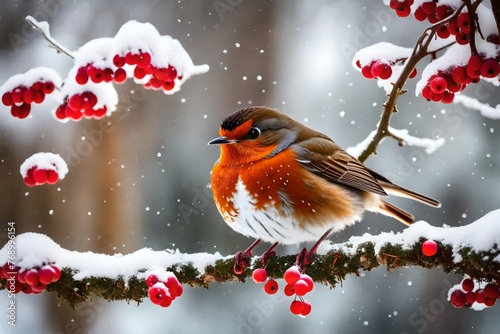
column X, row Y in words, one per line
column 242, row 259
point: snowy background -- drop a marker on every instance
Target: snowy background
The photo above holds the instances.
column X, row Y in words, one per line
column 142, row 182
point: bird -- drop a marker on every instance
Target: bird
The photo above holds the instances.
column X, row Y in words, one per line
column 279, row 181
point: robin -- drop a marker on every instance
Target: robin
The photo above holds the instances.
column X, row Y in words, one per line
column 279, row 181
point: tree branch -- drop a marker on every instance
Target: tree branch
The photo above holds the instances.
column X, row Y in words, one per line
column 495, row 7
column 420, row 51
column 392, row 251
column 43, row 28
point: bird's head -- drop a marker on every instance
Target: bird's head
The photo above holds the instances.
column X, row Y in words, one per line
column 255, row 133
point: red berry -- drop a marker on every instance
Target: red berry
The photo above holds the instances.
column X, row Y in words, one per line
column 420, row 15
column 491, row 290
column 75, row 102
column 459, row 75
column 462, row 38
column 438, row 85
column 443, row 31
column 21, row 111
column 432, row 18
column 259, row 275
column 470, row 298
column 309, row 281
column 38, row 96
column 40, row 175
column 467, row 285
column 168, row 85
column 480, row 296
column 463, row 22
column 358, row 64
column 81, row 76
column 151, row 280
column 21, row 276
column 118, row 61
column 95, row 74
column 157, row 293
column 130, row 59
column 443, row 11
column 403, row 10
column 457, row 299
column 271, row 287
column 381, row 70
column 52, row 176
column 166, row 302
column 413, row 73
column 28, row 96
column 46, row 274
column 475, row 62
column 31, row 277
column 7, row 99
column 101, row 112
column 107, row 75
column 172, row 284
column 436, row 97
column 307, row 308
column 179, row 291
column 495, row 39
column 57, row 273
column 89, row 99
column 289, row 290
column 452, row 86
column 490, row 68
column 37, row 86
column 448, row 97
column 144, row 59
column 297, row 307
column 453, row 28
column 139, row 73
column 301, row 287
column 120, row 75
column 292, row 275
column 38, row 288
column 429, row 248
column 490, row 301
column 48, row 87
column 60, row 114
column 473, row 74
column 394, row 4
column 17, row 94
column 426, row 93
column 428, row 7
column 26, row 288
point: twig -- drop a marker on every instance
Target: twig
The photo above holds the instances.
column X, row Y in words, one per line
column 495, row 8
column 420, row 51
column 43, row 28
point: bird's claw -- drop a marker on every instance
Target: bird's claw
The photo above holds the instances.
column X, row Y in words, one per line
column 241, row 261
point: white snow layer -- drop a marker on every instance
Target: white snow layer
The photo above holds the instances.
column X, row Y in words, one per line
column 481, row 235
column 42, row 74
column 33, row 249
column 484, row 108
column 47, row 161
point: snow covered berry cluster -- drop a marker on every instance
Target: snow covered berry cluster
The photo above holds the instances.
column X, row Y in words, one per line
column 474, row 294
column 137, row 51
column 29, row 280
column 42, row 168
column 163, row 291
column 24, row 89
column 297, row 284
column 471, row 42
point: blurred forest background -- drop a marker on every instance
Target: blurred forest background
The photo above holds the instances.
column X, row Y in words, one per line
column 144, row 184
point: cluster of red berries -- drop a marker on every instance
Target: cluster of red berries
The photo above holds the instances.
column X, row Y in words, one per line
column 139, row 62
column 39, row 176
column 297, row 284
column 21, row 97
column 442, row 86
column 402, row 7
column 464, row 294
column 33, row 280
column 163, row 292
column 80, row 106
column 378, row 69
column 429, row 248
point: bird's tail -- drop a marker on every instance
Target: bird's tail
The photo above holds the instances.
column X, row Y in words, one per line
column 393, row 211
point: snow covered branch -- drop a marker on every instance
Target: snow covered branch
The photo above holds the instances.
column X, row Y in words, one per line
column 471, row 250
column 43, row 28
column 420, row 51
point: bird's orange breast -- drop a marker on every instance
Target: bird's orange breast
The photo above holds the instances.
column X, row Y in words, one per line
column 281, row 181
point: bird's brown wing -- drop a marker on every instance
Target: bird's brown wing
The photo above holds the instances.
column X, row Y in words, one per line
column 324, row 158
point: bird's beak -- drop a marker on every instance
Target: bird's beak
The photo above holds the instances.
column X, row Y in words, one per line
column 221, row 141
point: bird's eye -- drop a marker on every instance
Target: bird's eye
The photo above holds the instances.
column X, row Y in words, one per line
column 254, row 133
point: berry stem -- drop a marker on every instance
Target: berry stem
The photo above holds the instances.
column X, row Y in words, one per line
column 471, row 10
column 43, row 28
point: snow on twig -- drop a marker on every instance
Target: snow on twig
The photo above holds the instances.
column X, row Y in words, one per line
column 44, row 28
column 484, row 108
